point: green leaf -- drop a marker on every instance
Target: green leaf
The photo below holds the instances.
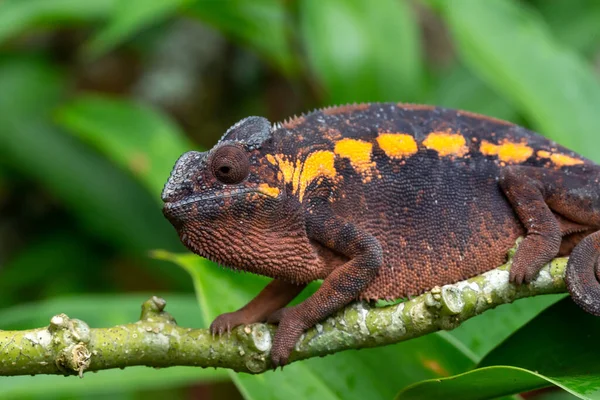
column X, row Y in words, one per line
column 565, row 352
column 347, row 375
column 102, row 311
column 261, row 24
column 511, row 49
column 106, row 201
column 106, row 384
column 134, row 136
column 459, row 88
column 45, row 256
column 19, row 15
column 366, row 374
column 129, row 17
column 363, row 53
column 484, row 383
column 218, row 290
column 557, row 347
column 488, row 330
column 574, row 23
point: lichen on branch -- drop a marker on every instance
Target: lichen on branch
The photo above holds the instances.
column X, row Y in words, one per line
column 68, row 346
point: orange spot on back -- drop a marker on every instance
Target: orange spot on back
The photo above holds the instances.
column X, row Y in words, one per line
column 358, row 152
column 560, row 160
column 544, row 154
column 268, row 190
column 300, row 174
column 271, row 158
column 397, row 145
column 288, row 169
column 507, row 152
column 318, row 164
column 447, row 143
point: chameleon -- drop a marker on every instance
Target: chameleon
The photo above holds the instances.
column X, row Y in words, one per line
column 382, row 201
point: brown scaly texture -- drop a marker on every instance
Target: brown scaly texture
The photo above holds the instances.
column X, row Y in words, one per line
column 382, row 201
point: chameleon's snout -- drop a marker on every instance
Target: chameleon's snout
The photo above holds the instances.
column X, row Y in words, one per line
column 180, row 183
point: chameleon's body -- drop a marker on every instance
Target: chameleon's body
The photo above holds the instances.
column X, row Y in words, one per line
column 382, row 201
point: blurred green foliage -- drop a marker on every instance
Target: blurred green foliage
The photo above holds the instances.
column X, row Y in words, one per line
column 98, row 99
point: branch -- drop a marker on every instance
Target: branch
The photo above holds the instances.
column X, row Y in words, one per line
column 69, row 346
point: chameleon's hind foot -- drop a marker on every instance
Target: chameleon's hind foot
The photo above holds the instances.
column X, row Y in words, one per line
column 532, row 254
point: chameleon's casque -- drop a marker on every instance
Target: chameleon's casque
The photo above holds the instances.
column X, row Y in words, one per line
column 382, row 201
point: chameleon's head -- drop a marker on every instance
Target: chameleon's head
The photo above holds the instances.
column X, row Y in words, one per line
column 227, row 204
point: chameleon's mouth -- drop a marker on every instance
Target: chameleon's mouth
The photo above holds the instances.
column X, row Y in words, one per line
column 207, row 198
column 179, row 210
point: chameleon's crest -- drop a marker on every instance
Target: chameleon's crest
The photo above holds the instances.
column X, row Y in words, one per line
column 251, row 131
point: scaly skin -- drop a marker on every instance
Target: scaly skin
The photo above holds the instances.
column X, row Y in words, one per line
column 382, row 201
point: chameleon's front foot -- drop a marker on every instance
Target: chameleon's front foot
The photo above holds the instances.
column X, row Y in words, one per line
column 226, row 322
column 274, row 296
column 291, row 327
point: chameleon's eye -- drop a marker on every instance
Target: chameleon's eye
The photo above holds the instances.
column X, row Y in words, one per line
column 230, row 164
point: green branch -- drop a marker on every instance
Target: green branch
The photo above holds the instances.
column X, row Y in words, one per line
column 69, row 346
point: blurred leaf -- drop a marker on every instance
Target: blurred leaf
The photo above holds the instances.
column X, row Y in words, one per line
column 46, row 256
column 102, row 311
column 512, row 50
column 347, row 375
column 363, row 53
column 134, row 136
column 129, row 17
column 574, row 23
column 488, row 330
column 459, row 89
column 546, row 350
column 105, row 384
column 262, row 24
column 109, row 203
column 19, row 15
column 217, row 289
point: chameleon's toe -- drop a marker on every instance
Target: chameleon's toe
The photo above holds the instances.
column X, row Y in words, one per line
column 517, row 274
column 225, row 322
column 289, row 331
column 520, row 274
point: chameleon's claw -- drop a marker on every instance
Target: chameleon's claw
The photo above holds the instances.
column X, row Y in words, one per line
column 279, row 362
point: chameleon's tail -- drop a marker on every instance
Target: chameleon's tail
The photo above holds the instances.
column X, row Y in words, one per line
column 582, row 275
